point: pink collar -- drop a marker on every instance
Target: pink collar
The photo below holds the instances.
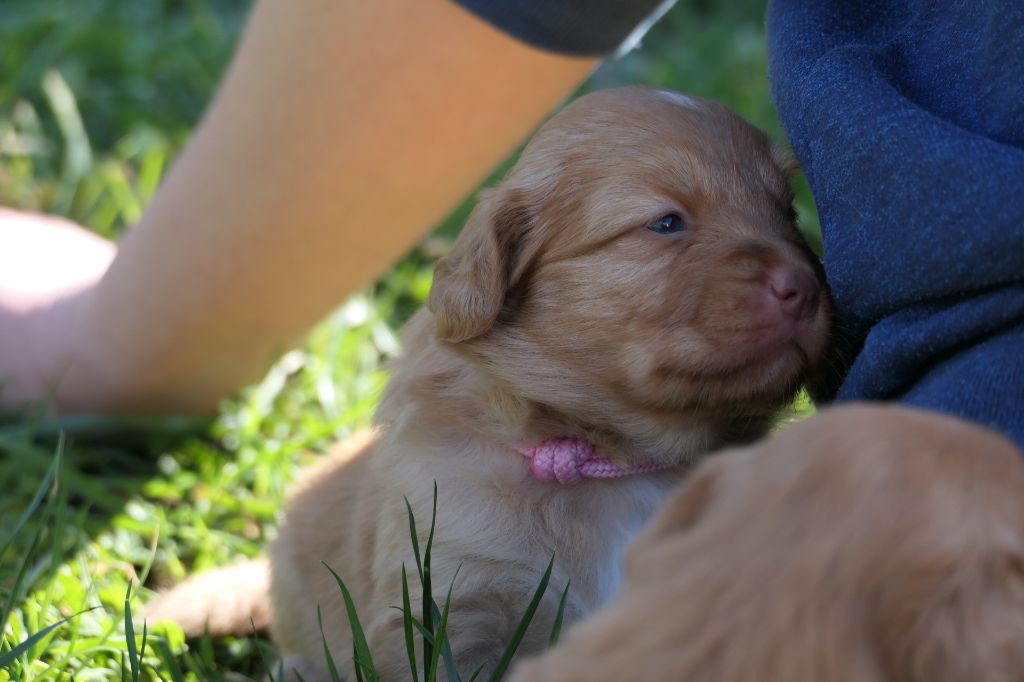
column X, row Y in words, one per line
column 570, row 460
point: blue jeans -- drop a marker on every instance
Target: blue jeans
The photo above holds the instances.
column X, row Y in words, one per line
column 908, row 118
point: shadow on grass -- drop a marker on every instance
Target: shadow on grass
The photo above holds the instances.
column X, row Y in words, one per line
column 69, row 486
column 105, row 461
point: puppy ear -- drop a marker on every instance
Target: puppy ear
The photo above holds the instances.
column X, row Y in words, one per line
column 471, row 284
column 784, row 158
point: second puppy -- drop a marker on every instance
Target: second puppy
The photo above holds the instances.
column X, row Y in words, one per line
column 631, row 296
column 870, row 543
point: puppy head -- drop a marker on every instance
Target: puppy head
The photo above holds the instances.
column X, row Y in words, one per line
column 642, row 251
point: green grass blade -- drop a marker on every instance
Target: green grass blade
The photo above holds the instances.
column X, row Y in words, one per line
column 524, row 623
column 263, row 656
column 37, row 499
column 170, row 661
column 415, row 539
column 449, row 659
column 556, row 629
column 423, row 631
column 9, row 657
column 151, row 559
column 16, row 590
column 142, row 648
column 206, row 653
column 363, row 658
column 356, row 666
column 59, row 523
column 476, row 673
column 428, row 596
column 443, row 641
column 197, row 668
column 129, row 633
column 426, row 631
column 77, row 150
column 442, row 627
column 410, row 645
column 331, row 667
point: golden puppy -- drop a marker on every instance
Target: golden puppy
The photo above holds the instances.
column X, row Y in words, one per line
column 867, row 544
column 632, row 295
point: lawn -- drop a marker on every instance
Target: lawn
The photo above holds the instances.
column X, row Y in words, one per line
column 96, row 98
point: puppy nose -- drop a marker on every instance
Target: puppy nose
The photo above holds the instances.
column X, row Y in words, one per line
column 795, row 291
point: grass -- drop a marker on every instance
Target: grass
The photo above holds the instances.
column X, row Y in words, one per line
column 96, row 98
column 433, row 629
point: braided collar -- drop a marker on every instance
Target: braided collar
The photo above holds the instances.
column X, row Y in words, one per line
column 570, row 460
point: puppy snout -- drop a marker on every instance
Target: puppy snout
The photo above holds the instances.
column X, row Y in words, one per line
column 794, row 291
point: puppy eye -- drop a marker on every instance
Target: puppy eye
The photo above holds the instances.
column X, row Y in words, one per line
column 667, row 224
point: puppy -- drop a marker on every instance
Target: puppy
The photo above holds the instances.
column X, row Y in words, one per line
column 867, row 544
column 631, row 296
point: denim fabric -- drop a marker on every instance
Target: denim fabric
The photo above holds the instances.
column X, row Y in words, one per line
column 908, row 118
column 573, row 27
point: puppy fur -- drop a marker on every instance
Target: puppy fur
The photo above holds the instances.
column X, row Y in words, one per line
column 558, row 313
column 867, row 544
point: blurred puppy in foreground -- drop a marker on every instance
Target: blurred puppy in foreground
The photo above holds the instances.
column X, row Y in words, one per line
column 867, row 544
column 632, row 295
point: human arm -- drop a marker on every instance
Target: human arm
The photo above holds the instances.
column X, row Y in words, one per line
column 342, row 132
